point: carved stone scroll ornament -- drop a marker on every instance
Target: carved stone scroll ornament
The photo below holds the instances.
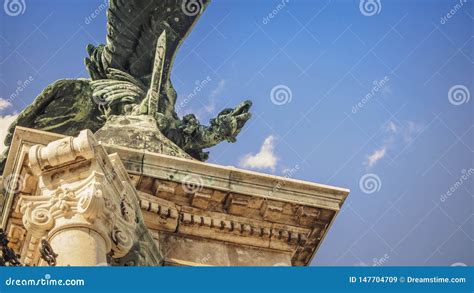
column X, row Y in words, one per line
column 76, row 196
column 88, row 208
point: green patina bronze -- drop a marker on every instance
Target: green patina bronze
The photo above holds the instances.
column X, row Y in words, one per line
column 129, row 99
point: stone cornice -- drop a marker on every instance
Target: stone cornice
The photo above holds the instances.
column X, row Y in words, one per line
column 231, row 179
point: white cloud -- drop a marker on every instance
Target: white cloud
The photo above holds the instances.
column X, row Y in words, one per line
column 5, row 122
column 4, row 104
column 264, row 159
column 402, row 133
column 376, row 156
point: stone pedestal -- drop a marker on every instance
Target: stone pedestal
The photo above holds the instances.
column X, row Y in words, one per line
column 137, row 132
column 77, row 198
column 99, row 203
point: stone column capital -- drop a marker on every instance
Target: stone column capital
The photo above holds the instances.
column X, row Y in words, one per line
column 89, row 206
column 80, row 188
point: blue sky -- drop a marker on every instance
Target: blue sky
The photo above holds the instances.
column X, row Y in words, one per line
column 343, row 95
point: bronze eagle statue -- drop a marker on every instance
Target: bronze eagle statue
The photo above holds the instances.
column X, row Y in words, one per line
column 130, row 77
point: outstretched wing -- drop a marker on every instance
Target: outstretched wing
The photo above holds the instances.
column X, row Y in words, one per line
column 64, row 107
column 133, row 29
